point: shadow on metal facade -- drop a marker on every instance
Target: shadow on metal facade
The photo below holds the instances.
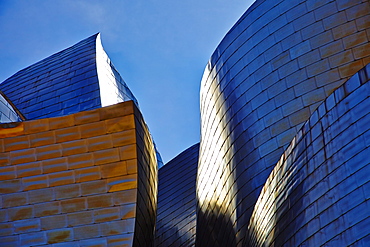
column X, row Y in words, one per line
column 176, row 217
column 318, row 193
column 265, row 79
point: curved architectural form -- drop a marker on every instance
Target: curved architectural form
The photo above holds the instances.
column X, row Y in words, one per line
column 318, row 193
column 8, row 113
column 176, row 217
column 265, row 79
column 76, row 172
column 76, row 79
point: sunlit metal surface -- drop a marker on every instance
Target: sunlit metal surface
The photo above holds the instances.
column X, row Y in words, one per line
column 176, row 218
column 318, row 193
column 265, row 79
column 67, row 82
column 7, row 112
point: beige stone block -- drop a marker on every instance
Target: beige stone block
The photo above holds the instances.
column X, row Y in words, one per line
column 61, row 122
column 80, row 160
column 42, row 139
column 35, row 126
column 87, row 174
column 4, row 159
column 22, row 156
column 124, row 138
column 68, row 134
column 122, row 183
column 43, row 195
column 59, row 235
column 106, row 156
column 87, row 231
column 94, row 187
column 120, row 124
column 48, row 152
column 16, row 143
column 74, row 147
column 114, row 169
column 35, row 182
column 118, row 227
column 47, row 208
column 128, row 211
column 106, row 214
column 54, row 165
column 10, row 186
column 128, row 152
column 122, row 240
column 6, row 229
column 67, row 191
column 28, row 225
column 61, row 178
column 304, row 87
column 29, row 169
column 7, row 172
column 121, row 109
column 74, row 205
column 99, row 143
column 87, row 117
column 80, row 218
column 14, row 199
column 100, row 201
column 331, row 48
column 20, row 213
column 93, row 129
column 53, row 222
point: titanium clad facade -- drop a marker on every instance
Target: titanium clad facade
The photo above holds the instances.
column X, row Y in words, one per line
column 318, row 193
column 265, row 79
column 76, row 79
column 176, row 217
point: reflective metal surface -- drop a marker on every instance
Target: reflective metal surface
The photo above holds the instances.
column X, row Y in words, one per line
column 265, row 79
column 318, row 193
column 76, row 79
column 176, row 218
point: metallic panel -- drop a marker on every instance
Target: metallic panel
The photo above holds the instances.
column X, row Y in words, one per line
column 176, row 217
column 265, row 79
column 67, row 82
column 317, row 193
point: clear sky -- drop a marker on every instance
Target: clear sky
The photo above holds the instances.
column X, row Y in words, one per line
column 160, row 48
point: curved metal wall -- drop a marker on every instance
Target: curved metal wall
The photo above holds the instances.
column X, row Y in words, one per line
column 268, row 75
column 176, row 218
column 318, row 193
column 67, row 82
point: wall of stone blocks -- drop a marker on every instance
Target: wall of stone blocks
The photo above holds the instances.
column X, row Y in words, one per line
column 71, row 180
column 265, row 79
column 318, row 193
column 176, row 217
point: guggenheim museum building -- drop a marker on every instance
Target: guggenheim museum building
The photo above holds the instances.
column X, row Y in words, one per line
column 283, row 158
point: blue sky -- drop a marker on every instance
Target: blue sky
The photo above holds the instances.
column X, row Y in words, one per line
column 160, row 48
